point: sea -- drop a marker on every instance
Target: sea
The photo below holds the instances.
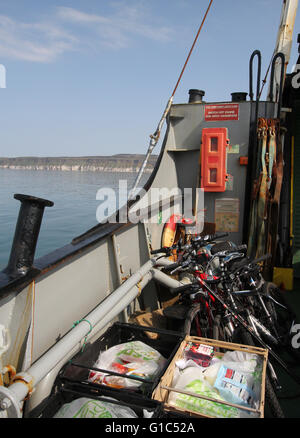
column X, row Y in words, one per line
column 75, row 200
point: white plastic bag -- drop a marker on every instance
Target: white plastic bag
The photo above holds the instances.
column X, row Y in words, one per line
column 210, row 373
column 90, row 408
column 134, row 359
column 249, row 364
column 241, row 360
column 210, row 382
column 192, row 380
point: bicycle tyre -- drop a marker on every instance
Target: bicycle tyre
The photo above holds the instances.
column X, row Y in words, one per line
column 219, row 330
column 274, row 291
column 191, row 314
column 191, row 327
column 270, row 395
column 216, row 328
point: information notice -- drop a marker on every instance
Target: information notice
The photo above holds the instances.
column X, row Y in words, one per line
column 219, row 112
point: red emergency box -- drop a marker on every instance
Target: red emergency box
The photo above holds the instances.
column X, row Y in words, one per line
column 214, row 159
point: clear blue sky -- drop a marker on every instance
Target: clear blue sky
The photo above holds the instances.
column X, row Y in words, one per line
column 92, row 77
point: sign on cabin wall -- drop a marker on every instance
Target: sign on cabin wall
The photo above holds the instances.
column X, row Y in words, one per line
column 221, row 112
column 227, row 215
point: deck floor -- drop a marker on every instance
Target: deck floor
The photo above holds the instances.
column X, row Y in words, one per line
column 289, row 396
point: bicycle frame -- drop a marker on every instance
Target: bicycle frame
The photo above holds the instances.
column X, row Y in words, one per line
column 188, row 262
column 244, row 324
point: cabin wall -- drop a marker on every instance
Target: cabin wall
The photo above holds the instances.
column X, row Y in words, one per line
column 181, row 164
column 188, row 123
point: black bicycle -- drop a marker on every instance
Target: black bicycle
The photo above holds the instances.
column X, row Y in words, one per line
column 228, row 299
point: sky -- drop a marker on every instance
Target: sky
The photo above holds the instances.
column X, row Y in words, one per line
column 92, row 77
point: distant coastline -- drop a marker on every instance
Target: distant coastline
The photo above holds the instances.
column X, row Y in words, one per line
column 127, row 163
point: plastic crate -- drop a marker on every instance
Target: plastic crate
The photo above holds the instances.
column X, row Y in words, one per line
column 167, row 344
column 162, row 391
column 65, row 392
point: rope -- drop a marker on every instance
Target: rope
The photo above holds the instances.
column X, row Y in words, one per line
column 139, row 288
column 33, row 317
column 155, row 137
column 91, row 328
column 192, row 48
column 265, row 78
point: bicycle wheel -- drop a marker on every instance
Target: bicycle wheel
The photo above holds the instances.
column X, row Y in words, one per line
column 283, row 318
column 270, row 395
column 197, row 322
column 220, row 331
column 190, row 319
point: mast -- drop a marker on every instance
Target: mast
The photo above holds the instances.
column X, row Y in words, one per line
column 284, row 40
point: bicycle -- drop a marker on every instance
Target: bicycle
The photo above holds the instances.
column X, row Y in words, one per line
column 209, row 313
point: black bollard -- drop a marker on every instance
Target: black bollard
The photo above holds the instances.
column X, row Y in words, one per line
column 26, row 234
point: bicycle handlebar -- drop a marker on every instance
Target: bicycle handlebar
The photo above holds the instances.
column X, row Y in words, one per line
column 218, row 236
column 178, row 265
column 185, row 287
column 209, row 238
column 160, row 251
column 201, row 240
column 171, row 267
column 248, row 263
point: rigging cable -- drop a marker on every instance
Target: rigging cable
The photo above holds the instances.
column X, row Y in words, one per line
column 264, row 81
column 192, row 48
column 155, row 137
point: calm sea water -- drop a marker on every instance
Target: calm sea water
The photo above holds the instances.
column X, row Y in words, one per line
column 74, row 210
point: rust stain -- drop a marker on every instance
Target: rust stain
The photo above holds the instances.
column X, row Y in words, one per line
column 27, row 382
column 7, row 375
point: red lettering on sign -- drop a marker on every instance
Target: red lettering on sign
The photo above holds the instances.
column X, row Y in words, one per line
column 226, row 111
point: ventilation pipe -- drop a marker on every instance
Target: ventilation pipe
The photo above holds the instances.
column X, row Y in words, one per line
column 239, row 97
column 196, row 96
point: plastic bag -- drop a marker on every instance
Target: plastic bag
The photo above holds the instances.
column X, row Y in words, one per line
column 192, row 380
column 235, row 386
column 210, row 381
column 90, row 408
column 210, row 373
column 250, row 366
column 241, row 360
column 134, row 359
